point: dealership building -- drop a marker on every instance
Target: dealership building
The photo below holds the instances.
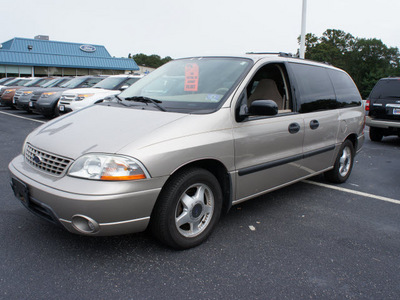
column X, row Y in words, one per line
column 43, row 57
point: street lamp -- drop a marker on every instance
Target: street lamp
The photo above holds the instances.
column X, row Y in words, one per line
column 303, row 30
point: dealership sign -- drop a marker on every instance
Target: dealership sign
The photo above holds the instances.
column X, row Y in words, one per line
column 88, row 48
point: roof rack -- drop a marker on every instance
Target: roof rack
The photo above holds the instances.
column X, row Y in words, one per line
column 283, row 54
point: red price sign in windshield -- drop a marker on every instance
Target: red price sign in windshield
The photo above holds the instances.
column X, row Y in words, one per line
column 191, row 78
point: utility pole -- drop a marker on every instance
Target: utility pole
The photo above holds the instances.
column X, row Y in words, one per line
column 303, row 30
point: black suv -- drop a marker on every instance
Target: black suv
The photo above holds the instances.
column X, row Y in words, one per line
column 383, row 105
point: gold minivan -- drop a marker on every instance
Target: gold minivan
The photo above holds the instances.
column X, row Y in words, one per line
column 188, row 141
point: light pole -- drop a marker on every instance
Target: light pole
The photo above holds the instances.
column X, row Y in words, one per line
column 303, row 30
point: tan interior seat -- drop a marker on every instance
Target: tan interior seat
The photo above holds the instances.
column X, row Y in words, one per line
column 267, row 90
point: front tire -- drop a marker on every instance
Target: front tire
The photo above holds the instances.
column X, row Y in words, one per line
column 188, row 209
column 343, row 164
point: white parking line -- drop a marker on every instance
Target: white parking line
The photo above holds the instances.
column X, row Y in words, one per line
column 333, row 187
column 25, row 118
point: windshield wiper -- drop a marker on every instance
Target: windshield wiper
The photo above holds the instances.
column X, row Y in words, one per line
column 147, row 100
column 120, row 101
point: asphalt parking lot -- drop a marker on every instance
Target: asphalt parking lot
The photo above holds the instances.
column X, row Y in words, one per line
column 310, row 240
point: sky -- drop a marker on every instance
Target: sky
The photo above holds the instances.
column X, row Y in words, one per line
column 182, row 28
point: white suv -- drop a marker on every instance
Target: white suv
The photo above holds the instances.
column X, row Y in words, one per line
column 82, row 97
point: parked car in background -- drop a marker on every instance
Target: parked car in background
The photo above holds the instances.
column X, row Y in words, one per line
column 27, row 91
column 188, row 141
column 14, row 82
column 23, row 96
column 46, row 103
column 7, row 96
column 383, row 108
column 79, row 98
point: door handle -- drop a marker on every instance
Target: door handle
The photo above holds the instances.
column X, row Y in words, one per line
column 294, row 128
column 314, row 124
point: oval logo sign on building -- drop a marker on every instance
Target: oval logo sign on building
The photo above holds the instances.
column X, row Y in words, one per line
column 88, row 48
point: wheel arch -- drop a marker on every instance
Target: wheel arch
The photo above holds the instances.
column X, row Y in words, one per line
column 219, row 170
column 353, row 139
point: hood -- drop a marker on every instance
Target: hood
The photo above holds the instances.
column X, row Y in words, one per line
column 55, row 89
column 34, row 88
column 98, row 128
column 90, row 91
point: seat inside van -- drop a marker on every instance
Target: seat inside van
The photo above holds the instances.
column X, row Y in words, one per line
column 269, row 83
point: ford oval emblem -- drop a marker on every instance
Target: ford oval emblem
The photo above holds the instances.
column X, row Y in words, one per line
column 87, row 48
column 37, row 159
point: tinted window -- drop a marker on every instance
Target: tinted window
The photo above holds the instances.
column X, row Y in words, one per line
column 346, row 91
column 109, row 83
column 386, row 88
column 315, row 90
column 130, row 81
column 91, row 82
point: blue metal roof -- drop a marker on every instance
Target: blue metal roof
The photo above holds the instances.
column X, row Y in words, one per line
column 33, row 52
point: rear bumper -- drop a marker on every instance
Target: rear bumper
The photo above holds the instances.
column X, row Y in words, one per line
column 382, row 123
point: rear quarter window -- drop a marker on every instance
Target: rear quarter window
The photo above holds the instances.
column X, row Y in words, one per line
column 346, row 91
column 315, row 90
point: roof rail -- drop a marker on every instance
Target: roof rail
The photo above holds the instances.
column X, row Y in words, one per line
column 283, row 54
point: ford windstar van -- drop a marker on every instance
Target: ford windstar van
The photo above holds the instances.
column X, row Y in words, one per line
column 183, row 144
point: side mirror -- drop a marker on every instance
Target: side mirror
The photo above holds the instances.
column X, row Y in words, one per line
column 263, row 108
column 109, row 98
column 124, row 87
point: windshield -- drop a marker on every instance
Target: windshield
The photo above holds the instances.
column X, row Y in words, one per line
column 74, row 82
column 190, row 85
column 386, row 89
column 3, row 80
column 54, row 82
column 17, row 82
column 110, row 83
column 35, row 82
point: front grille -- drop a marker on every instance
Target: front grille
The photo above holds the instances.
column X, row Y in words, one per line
column 36, row 96
column 46, row 162
column 68, row 98
column 17, row 95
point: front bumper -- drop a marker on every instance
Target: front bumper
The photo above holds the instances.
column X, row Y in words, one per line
column 43, row 109
column 22, row 105
column 115, row 207
column 381, row 123
column 63, row 109
column 7, row 100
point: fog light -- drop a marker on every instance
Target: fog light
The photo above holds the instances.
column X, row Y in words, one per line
column 85, row 224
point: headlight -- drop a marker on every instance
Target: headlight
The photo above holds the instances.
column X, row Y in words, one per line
column 28, row 92
column 108, row 167
column 82, row 96
column 9, row 91
column 45, row 95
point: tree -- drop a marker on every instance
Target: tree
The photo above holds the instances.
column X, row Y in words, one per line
column 372, row 60
column 332, row 47
column 366, row 60
column 152, row 61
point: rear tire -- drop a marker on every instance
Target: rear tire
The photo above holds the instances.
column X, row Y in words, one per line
column 375, row 134
column 343, row 164
column 187, row 209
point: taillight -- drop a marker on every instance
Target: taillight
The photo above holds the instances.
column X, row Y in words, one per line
column 367, row 103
